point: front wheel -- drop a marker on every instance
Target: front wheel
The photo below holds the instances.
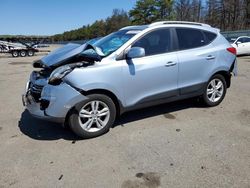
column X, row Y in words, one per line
column 93, row 117
column 215, row 91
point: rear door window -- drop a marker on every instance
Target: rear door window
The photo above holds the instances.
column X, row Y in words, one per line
column 190, row 38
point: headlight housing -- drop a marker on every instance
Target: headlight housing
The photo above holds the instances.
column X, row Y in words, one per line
column 59, row 73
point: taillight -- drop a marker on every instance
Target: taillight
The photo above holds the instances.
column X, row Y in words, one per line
column 232, row 50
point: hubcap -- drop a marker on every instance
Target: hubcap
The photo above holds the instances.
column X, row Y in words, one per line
column 215, row 90
column 94, row 116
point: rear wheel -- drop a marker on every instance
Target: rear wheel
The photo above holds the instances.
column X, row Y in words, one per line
column 215, row 91
column 30, row 53
column 23, row 53
column 15, row 53
column 93, row 117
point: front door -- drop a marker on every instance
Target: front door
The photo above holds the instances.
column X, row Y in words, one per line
column 154, row 76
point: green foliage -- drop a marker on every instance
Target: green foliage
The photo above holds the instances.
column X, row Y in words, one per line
column 148, row 11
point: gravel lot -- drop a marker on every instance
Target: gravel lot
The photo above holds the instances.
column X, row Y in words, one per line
column 180, row 144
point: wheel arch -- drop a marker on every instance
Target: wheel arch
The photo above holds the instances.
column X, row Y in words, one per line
column 110, row 94
column 118, row 105
column 226, row 75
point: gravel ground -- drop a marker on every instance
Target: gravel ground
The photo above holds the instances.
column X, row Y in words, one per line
column 180, row 144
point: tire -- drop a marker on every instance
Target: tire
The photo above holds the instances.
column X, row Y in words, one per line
column 30, row 53
column 93, row 121
column 215, row 91
column 23, row 53
column 15, row 53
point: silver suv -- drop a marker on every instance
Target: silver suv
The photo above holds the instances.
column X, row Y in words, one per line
column 89, row 85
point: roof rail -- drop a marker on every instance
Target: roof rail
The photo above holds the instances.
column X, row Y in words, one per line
column 178, row 22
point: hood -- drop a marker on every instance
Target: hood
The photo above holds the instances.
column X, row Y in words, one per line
column 65, row 54
column 60, row 55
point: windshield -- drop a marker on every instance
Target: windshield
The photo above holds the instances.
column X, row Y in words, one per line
column 112, row 42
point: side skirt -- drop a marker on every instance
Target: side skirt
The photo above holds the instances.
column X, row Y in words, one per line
column 183, row 93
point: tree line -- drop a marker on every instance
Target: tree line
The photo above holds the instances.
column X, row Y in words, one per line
column 224, row 14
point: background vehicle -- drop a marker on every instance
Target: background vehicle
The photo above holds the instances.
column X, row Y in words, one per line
column 137, row 66
column 242, row 45
column 17, row 49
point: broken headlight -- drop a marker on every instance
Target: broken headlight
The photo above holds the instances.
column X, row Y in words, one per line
column 59, row 73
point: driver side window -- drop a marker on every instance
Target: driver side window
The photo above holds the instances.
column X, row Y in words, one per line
column 155, row 42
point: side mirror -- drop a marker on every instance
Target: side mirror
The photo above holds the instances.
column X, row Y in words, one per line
column 135, row 52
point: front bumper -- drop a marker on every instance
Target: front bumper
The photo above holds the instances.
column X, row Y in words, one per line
column 59, row 100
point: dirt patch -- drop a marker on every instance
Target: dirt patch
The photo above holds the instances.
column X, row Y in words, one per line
column 245, row 113
column 245, row 117
column 146, row 180
column 169, row 116
column 20, row 63
column 242, row 75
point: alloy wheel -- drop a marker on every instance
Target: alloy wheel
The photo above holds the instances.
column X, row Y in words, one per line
column 94, row 116
column 215, row 90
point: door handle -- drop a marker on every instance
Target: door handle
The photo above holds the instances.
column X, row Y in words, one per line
column 210, row 57
column 170, row 64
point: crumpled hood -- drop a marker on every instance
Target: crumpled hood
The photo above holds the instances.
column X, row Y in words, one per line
column 61, row 55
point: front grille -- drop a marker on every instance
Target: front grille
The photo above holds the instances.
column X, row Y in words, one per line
column 36, row 91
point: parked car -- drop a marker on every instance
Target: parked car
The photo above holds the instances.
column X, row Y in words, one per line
column 242, row 45
column 88, row 86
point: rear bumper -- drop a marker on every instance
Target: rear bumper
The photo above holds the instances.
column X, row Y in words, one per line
column 234, row 68
column 55, row 102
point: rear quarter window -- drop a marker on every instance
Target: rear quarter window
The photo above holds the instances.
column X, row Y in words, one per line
column 210, row 36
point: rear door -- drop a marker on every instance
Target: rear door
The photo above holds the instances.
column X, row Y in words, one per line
column 196, row 58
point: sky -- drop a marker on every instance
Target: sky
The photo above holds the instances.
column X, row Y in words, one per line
column 49, row 17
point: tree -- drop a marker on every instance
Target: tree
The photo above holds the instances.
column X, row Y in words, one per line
column 223, row 14
column 148, row 11
column 183, row 10
column 118, row 20
column 165, row 9
column 144, row 12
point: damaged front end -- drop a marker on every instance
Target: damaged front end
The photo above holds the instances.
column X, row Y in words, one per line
column 46, row 95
